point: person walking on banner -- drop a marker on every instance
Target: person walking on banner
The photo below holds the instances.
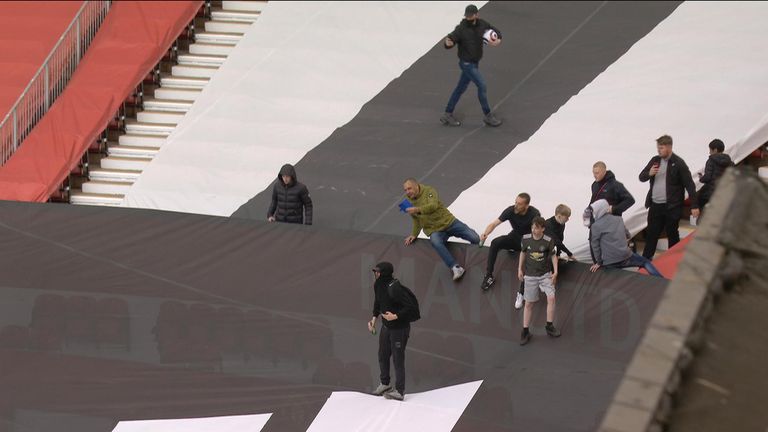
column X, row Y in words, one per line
column 291, row 202
column 669, row 178
column 469, row 37
column 397, row 307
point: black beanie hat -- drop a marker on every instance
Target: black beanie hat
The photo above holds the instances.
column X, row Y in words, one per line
column 385, row 268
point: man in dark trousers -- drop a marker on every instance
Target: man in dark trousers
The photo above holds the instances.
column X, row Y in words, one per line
column 290, row 199
column 714, row 168
column 670, row 178
column 397, row 311
column 520, row 217
column 468, row 37
column 608, row 188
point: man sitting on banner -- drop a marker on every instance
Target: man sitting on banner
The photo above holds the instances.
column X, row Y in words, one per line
column 429, row 213
column 608, row 237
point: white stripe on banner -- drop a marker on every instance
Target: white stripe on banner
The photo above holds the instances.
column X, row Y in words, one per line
column 700, row 74
column 238, row 423
column 301, row 71
column 434, row 411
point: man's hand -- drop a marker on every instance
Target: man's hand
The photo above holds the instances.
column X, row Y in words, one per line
column 409, row 240
column 271, row 219
column 389, row 316
column 495, row 42
column 695, row 213
column 412, row 210
column 520, row 274
column 654, row 170
column 449, row 42
column 571, row 258
column 371, row 324
column 594, row 267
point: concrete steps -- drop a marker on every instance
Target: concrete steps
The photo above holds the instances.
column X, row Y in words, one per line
column 110, row 180
column 244, row 5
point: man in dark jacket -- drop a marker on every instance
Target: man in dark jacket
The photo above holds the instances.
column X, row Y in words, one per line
column 290, row 199
column 392, row 303
column 468, row 37
column 608, row 188
column 670, row 178
column 714, row 168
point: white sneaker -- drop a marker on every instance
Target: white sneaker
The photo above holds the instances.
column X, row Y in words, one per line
column 519, row 301
column 458, row 272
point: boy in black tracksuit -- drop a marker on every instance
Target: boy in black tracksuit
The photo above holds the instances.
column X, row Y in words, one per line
column 555, row 228
column 715, row 167
column 396, row 312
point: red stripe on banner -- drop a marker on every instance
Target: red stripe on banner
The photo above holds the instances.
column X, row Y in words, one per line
column 132, row 39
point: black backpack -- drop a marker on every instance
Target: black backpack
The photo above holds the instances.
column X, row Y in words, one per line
column 410, row 299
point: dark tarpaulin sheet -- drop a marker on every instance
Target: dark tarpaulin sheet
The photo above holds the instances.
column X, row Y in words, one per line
column 118, row 314
column 551, row 50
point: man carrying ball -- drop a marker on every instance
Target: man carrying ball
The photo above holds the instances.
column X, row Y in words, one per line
column 468, row 37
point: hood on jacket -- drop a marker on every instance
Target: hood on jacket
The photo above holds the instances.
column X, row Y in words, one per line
column 721, row 159
column 609, row 176
column 288, row 170
column 599, row 208
column 385, row 268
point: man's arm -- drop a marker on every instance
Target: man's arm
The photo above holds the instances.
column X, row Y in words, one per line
column 709, row 172
column 273, row 204
column 307, row 201
column 430, row 202
column 452, row 39
column 416, row 227
column 645, row 173
column 520, row 265
column 687, row 180
column 594, row 248
column 489, row 229
column 624, row 198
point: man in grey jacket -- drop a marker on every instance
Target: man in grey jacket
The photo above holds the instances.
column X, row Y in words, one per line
column 608, row 240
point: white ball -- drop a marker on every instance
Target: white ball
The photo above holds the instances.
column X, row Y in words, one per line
column 489, row 36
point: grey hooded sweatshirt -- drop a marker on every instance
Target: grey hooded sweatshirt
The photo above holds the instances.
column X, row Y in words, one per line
column 607, row 236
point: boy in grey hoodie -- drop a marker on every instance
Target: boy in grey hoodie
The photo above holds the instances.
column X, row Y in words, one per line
column 608, row 240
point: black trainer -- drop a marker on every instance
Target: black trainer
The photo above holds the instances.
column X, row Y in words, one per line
column 552, row 331
column 525, row 337
column 488, row 280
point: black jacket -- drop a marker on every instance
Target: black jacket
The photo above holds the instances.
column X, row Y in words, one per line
column 614, row 192
column 398, row 304
column 468, row 37
column 715, row 167
column 557, row 231
column 290, row 203
column 679, row 180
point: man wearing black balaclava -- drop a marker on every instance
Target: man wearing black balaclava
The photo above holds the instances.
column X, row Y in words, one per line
column 391, row 303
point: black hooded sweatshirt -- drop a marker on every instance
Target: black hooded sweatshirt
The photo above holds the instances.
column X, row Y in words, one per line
column 614, row 192
column 468, row 37
column 397, row 304
column 715, row 167
column 290, row 202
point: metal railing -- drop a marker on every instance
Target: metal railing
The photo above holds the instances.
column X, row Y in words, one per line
column 52, row 77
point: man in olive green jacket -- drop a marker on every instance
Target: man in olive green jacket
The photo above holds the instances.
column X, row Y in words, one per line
column 429, row 213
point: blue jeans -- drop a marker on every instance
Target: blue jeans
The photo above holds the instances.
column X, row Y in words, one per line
column 439, row 240
column 638, row 261
column 470, row 72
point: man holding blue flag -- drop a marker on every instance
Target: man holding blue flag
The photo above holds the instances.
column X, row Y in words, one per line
column 429, row 213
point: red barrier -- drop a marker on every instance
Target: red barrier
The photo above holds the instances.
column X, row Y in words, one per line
column 28, row 32
column 132, row 39
column 668, row 262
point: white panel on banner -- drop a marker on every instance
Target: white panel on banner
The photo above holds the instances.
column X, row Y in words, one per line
column 238, row 423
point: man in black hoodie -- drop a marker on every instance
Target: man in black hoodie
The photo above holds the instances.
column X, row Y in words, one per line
column 468, row 37
column 290, row 199
column 714, row 168
column 392, row 303
column 608, row 188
